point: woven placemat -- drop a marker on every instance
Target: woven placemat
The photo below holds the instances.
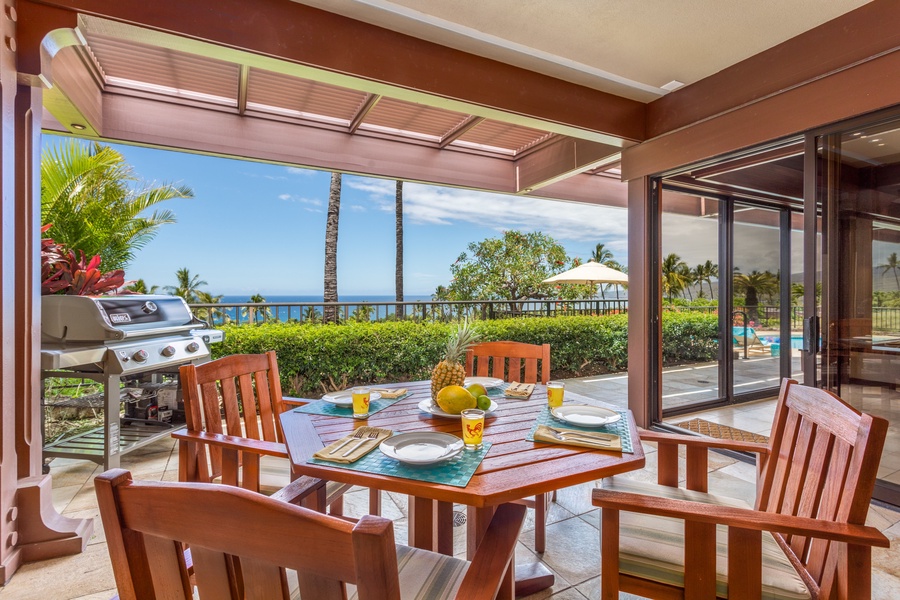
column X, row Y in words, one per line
column 722, row 432
column 320, row 407
column 456, row 471
column 619, row 428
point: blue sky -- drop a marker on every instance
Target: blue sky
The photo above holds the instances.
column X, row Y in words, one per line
column 260, row 228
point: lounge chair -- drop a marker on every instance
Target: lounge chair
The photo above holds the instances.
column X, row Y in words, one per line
column 745, row 337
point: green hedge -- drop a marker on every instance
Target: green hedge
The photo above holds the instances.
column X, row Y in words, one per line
column 313, row 358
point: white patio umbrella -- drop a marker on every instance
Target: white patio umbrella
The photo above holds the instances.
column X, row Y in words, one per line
column 590, row 273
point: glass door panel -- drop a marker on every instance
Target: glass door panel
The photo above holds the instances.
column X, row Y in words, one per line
column 756, row 284
column 859, row 195
column 690, row 270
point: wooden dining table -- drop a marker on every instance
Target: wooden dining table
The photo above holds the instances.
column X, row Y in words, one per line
column 512, row 469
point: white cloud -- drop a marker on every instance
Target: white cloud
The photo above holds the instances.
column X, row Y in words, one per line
column 301, row 199
column 433, row 205
column 300, row 171
column 357, row 208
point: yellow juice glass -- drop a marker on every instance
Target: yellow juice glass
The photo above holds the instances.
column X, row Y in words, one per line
column 555, row 392
column 360, row 397
column 472, row 428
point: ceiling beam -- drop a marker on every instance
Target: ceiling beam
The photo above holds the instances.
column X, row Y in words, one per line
column 75, row 99
column 307, row 42
column 559, row 160
column 360, row 116
column 243, row 80
column 460, row 130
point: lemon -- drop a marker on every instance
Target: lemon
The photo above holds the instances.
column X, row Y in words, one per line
column 483, row 402
column 476, row 389
column 454, row 399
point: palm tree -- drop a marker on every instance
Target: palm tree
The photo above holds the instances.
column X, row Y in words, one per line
column 188, row 286
column 398, row 262
column 140, row 287
column 329, row 313
column 604, row 257
column 206, row 298
column 252, row 311
column 712, row 271
column 672, row 277
column 752, row 285
column 892, row 264
column 88, row 193
column 699, row 275
column 688, row 279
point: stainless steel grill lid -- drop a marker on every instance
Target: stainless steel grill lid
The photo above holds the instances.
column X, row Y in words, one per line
column 102, row 318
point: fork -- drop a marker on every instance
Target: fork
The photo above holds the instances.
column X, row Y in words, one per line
column 372, row 435
column 594, row 435
column 584, row 438
column 356, row 436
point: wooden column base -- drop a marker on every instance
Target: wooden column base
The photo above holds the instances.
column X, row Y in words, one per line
column 42, row 532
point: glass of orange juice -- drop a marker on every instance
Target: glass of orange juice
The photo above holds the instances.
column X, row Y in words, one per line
column 472, row 428
column 360, row 397
column 555, row 392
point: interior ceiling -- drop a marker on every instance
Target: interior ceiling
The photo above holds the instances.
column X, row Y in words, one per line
column 631, row 49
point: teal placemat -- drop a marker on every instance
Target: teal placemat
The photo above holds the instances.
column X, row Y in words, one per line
column 619, row 428
column 456, row 471
column 320, row 407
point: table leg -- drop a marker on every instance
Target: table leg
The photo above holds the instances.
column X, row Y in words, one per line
column 529, row 579
column 431, row 525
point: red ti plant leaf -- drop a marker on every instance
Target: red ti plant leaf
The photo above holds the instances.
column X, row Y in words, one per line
column 63, row 272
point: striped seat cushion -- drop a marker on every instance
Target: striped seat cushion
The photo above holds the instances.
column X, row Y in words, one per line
column 424, row 575
column 651, row 547
column 275, row 473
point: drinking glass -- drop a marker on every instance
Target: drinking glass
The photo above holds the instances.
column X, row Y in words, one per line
column 555, row 392
column 360, row 402
column 472, row 428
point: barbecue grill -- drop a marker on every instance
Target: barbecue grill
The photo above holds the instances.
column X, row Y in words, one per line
column 107, row 338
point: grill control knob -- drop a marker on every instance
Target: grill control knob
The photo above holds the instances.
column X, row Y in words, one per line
column 140, row 356
column 168, row 351
column 192, row 347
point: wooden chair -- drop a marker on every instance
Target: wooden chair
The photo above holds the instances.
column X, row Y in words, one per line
column 506, row 360
column 242, row 543
column 804, row 537
column 516, row 361
column 249, row 450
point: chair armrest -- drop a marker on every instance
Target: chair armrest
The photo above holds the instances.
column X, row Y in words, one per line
column 743, row 518
column 298, row 490
column 491, row 560
column 295, row 401
column 702, row 442
column 231, row 442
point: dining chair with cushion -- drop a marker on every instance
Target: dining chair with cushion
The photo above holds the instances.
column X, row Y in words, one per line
column 243, row 543
column 520, row 362
column 233, row 433
column 803, row 537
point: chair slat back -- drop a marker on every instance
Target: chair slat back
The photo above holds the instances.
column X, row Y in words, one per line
column 509, row 361
column 244, row 390
column 822, row 464
column 232, row 560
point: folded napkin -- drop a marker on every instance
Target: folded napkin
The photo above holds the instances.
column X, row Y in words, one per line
column 519, row 390
column 356, row 446
column 572, row 437
column 390, row 394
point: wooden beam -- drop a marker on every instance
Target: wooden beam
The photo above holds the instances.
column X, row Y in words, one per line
column 829, row 48
column 362, row 56
column 856, row 90
column 589, row 189
column 243, row 79
column 559, row 160
column 357, row 120
column 457, row 132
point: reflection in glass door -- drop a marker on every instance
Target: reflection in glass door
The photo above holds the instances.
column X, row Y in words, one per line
column 859, row 199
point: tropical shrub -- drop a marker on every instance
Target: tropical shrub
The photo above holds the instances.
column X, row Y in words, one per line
column 316, row 358
column 62, row 272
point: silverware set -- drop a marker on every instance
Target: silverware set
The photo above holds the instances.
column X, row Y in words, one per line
column 363, row 434
column 601, row 439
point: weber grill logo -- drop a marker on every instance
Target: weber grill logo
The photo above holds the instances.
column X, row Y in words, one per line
column 120, row 318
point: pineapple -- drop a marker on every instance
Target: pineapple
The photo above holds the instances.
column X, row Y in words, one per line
column 451, row 371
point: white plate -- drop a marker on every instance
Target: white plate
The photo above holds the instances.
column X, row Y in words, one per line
column 421, row 448
column 584, row 415
column 435, row 410
column 345, row 398
column 487, row 382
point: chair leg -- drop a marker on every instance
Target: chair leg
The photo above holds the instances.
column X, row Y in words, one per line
column 374, row 502
column 337, row 507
